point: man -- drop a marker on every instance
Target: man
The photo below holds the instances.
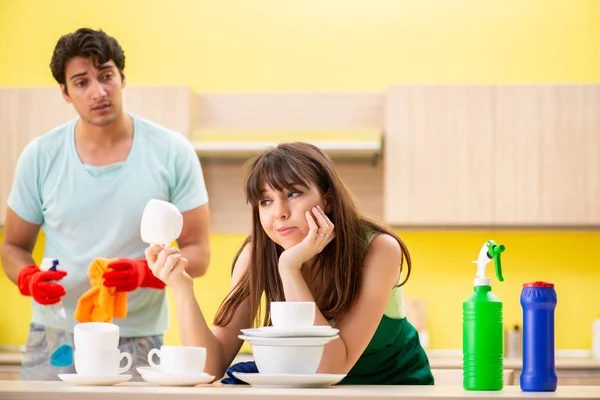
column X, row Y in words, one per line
column 87, row 183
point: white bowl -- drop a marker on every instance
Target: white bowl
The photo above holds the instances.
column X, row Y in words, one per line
column 302, row 360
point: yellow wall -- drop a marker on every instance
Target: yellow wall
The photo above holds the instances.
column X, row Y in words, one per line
column 268, row 45
column 341, row 45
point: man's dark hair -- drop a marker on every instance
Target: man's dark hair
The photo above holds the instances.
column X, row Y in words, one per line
column 85, row 42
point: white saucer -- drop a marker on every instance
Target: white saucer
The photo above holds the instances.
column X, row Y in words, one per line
column 78, row 379
column 273, row 332
column 289, row 381
column 288, row 341
column 154, row 375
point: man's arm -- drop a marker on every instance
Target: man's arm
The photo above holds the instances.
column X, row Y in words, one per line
column 194, row 240
column 19, row 239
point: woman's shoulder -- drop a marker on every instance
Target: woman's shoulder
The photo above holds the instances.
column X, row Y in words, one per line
column 383, row 249
column 242, row 261
column 381, row 241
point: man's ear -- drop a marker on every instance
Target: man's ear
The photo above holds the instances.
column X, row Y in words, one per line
column 123, row 83
column 63, row 91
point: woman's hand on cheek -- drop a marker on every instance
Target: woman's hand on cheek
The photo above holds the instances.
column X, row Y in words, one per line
column 320, row 234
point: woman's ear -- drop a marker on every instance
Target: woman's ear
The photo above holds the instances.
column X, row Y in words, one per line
column 327, row 204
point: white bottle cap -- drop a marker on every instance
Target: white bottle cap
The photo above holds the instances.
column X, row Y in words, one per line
column 47, row 264
column 483, row 281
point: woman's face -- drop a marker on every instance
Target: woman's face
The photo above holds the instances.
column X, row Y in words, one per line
column 282, row 214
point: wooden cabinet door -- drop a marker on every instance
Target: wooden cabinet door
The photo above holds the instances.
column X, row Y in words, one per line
column 438, row 155
column 25, row 113
column 505, row 155
column 547, row 155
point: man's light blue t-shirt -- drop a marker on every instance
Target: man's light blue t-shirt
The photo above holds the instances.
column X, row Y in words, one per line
column 89, row 211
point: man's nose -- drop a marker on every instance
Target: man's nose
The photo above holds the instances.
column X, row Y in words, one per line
column 99, row 91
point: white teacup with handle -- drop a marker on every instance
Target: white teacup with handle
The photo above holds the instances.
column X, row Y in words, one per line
column 161, row 223
column 96, row 336
column 180, row 360
column 100, row 362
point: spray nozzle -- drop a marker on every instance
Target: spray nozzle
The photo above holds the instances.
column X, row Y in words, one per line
column 489, row 251
column 494, row 251
column 49, row 264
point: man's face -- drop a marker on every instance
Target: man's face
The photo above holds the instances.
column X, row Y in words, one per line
column 96, row 92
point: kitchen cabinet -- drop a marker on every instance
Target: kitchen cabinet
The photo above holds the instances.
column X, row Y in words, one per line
column 547, row 155
column 571, row 371
column 437, row 165
column 492, row 155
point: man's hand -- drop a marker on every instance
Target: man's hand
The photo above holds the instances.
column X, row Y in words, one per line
column 126, row 275
column 38, row 284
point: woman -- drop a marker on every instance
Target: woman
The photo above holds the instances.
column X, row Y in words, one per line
column 309, row 242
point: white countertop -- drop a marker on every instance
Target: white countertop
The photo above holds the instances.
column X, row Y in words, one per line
column 14, row 390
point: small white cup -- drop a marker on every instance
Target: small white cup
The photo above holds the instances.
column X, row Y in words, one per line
column 292, row 314
column 92, row 362
column 161, row 223
column 96, row 335
column 183, row 360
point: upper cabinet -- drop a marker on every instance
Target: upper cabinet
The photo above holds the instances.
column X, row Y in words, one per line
column 438, row 142
column 25, row 113
column 506, row 155
column 453, row 155
column 547, row 155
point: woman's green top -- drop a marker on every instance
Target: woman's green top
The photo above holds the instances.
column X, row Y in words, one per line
column 394, row 355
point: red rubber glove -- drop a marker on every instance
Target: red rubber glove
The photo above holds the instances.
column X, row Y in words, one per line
column 127, row 274
column 35, row 283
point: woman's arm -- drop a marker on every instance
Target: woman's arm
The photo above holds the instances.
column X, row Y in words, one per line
column 381, row 267
column 222, row 343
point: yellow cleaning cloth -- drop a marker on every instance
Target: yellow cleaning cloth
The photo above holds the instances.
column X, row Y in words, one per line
column 100, row 303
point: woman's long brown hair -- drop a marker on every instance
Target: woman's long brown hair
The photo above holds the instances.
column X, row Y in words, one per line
column 338, row 267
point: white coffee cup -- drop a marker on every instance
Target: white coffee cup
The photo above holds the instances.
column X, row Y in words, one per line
column 90, row 362
column 292, row 314
column 179, row 359
column 96, row 335
column 161, row 223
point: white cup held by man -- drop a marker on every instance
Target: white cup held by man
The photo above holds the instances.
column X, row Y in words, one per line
column 91, row 362
column 96, row 335
column 181, row 360
column 161, row 223
column 292, row 314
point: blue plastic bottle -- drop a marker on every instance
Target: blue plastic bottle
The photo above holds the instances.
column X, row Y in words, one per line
column 538, row 300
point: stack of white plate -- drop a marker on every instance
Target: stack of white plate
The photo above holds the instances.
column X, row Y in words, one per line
column 289, row 357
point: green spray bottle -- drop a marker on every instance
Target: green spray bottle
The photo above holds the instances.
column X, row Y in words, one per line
column 482, row 327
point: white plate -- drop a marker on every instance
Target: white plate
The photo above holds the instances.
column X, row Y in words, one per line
column 289, row 381
column 153, row 375
column 272, row 332
column 295, row 341
column 77, row 379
